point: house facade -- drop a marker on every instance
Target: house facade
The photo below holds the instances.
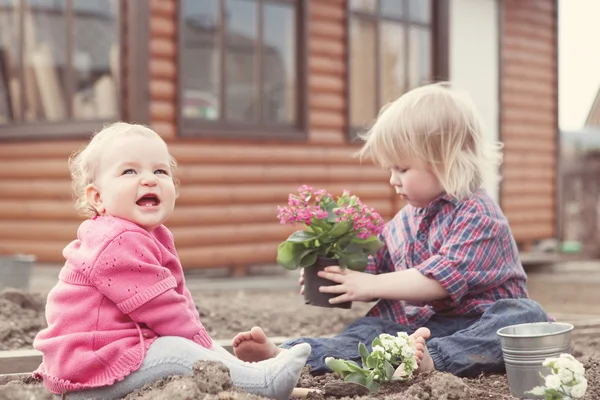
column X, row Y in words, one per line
column 255, row 98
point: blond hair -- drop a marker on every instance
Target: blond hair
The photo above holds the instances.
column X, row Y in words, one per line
column 440, row 126
column 83, row 163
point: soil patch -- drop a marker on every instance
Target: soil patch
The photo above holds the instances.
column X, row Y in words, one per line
column 280, row 314
column 21, row 318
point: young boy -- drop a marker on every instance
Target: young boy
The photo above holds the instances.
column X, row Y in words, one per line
column 450, row 271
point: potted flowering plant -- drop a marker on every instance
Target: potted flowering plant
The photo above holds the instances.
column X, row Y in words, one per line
column 338, row 231
column 392, row 358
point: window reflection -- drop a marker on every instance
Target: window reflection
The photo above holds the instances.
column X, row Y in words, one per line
column 362, row 65
column 252, row 76
column 200, row 59
column 70, row 66
column 401, row 60
column 279, row 77
column 241, row 85
column 392, row 67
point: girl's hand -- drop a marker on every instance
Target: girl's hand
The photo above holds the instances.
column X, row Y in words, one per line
column 353, row 285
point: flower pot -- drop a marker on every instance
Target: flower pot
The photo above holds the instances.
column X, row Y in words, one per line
column 15, row 271
column 312, row 282
column 525, row 347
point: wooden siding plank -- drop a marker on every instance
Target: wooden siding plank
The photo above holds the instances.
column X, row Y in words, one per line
column 525, row 173
column 201, row 215
column 527, row 142
column 163, row 90
column 37, row 210
column 163, row 48
column 328, row 102
column 532, row 160
column 326, row 65
column 204, row 152
column 327, row 30
column 198, row 193
column 162, row 69
column 327, row 11
column 165, row 129
column 516, row 203
column 162, row 110
column 264, row 193
column 166, row 8
column 64, row 231
column 326, row 136
column 243, row 173
column 163, row 27
column 327, row 84
column 324, row 119
column 34, row 169
column 334, row 49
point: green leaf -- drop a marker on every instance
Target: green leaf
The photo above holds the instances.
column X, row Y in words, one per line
column 340, row 229
column 364, row 353
column 389, row 370
column 371, row 362
column 374, row 387
column 357, row 377
column 371, row 245
column 353, row 261
column 376, row 342
column 339, row 366
column 308, row 258
column 288, row 254
column 302, row 237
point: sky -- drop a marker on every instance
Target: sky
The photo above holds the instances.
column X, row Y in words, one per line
column 578, row 60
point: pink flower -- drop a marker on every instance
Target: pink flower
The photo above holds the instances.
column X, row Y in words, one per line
column 310, row 205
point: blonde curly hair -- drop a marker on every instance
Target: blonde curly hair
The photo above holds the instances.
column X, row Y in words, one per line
column 83, row 163
column 439, row 125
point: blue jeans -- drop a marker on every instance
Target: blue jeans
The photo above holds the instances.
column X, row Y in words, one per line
column 462, row 346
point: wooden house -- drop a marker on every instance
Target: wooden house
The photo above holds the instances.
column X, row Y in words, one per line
column 255, row 98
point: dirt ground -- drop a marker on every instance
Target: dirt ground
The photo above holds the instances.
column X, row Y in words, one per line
column 282, row 313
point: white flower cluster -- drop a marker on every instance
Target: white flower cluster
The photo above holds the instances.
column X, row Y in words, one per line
column 398, row 350
column 566, row 380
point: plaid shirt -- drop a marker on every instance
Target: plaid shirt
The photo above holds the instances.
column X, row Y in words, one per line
column 467, row 246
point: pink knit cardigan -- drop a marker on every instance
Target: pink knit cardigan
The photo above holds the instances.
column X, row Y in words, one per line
column 120, row 289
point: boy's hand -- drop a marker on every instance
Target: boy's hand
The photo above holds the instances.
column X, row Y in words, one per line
column 353, row 285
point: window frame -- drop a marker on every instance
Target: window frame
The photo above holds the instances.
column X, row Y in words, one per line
column 223, row 129
column 440, row 30
column 69, row 128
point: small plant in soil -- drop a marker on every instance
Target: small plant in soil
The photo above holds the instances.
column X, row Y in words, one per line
column 341, row 228
column 565, row 381
column 391, row 359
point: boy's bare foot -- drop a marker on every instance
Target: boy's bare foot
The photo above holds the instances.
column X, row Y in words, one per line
column 253, row 346
column 424, row 360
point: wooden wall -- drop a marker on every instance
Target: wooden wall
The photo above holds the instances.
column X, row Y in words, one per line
column 226, row 215
column 529, row 113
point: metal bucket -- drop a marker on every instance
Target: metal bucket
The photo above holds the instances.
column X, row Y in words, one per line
column 15, row 271
column 525, row 347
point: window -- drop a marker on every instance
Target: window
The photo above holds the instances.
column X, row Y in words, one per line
column 59, row 64
column 391, row 51
column 239, row 65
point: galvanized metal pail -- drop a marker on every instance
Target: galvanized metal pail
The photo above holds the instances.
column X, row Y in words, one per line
column 15, row 271
column 525, row 347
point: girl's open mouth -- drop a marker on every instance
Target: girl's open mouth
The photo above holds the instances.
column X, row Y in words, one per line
column 148, row 200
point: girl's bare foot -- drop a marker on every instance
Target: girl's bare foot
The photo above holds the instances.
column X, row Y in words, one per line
column 424, row 360
column 253, row 346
